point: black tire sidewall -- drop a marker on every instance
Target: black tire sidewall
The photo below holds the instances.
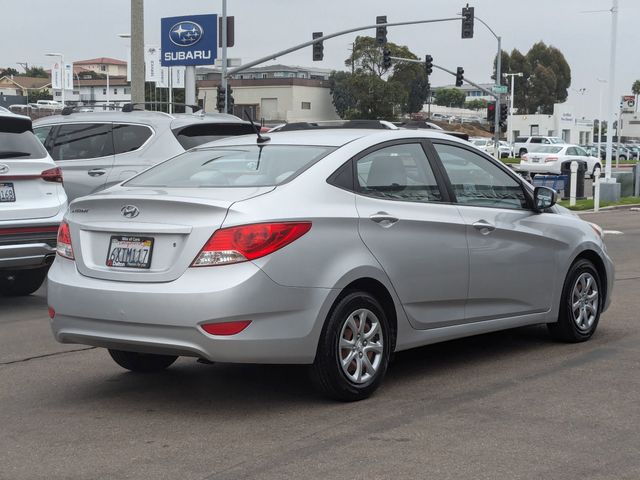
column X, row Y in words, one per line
column 141, row 362
column 327, row 366
column 25, row 282
column 565, row 320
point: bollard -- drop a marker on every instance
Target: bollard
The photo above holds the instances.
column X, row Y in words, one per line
column 596, row 190
column 573, row 182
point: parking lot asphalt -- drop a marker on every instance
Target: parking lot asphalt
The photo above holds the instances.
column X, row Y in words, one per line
column 509, row 405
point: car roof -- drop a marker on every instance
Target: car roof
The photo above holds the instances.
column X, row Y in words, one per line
column 331, row 137
column 146, row 117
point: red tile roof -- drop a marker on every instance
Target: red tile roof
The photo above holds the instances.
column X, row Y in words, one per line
column 101, row 61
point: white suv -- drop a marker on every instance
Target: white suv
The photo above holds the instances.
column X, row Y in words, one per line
column 523, row 145
column 32, row 204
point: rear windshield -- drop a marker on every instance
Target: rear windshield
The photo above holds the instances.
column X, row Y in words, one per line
column 23, row 145
column 548, row 149
column 195, row 135
column 237, row 166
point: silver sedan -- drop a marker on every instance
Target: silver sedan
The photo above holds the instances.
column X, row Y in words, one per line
column 331, row 248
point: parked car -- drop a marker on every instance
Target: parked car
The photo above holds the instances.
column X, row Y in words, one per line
column 483, row 144
column 522, row 145
column 32, row 203
column 505, row 149
column 634, row 150
column 332, row 248
column 549, row 159
column 98, row 149
column 49, row 105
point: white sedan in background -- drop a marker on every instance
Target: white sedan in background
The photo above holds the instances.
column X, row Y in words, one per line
column 549, row 159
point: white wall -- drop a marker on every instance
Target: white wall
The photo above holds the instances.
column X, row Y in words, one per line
column 563, row 123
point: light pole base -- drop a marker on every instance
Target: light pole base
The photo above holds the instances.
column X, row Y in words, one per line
column 609, row 191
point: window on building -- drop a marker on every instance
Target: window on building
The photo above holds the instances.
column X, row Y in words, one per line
column 104, row 91
column 306, row 106
column 264, row 75
column 103, row 68
column 115, row 91
column 127, row 90
column 535, row 130
column 278, row 74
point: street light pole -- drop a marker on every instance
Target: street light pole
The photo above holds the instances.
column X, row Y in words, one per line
column 61, row 56
column 600, row 118
column 509, row 129
column 612, row 83
column 224, row 53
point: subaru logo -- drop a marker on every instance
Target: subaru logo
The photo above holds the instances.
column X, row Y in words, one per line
column 4, row 168
column 185, row 34
column 130, row 211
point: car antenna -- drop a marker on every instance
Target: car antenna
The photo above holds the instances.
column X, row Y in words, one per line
column 261, row 139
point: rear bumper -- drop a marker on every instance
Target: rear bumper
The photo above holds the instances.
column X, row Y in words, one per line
column 165, row 317
column 28, row 245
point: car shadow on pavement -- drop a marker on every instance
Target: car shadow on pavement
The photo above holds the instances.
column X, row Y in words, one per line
column 250, row 389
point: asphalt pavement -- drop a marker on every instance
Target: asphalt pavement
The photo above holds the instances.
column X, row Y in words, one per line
column 511, row 405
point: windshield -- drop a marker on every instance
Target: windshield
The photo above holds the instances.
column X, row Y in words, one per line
column 235, row 166
column 548, row 149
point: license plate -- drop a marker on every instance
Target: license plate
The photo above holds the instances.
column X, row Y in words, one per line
column 535, row 159
column 7, row 193
column 130, row 252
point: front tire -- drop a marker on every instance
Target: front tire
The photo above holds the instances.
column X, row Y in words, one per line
column 142, row 362
column 580, row 305
column 354, row 349
column 20, row 283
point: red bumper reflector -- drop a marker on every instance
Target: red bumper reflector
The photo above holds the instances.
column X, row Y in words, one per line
column 52, row 313
column 225, row 328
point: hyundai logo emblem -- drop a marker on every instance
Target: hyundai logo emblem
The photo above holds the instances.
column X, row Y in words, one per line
column 130, row 211
column 4, row 168
column 185, row 34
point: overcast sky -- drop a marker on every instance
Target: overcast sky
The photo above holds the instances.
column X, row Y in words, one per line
column 83, row 29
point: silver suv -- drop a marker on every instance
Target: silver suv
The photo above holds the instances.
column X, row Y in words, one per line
column 99, row 149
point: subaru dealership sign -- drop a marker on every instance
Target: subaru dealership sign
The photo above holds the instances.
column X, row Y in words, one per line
column 190, row 40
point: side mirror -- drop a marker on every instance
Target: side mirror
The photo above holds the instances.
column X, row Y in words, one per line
column 543, row 198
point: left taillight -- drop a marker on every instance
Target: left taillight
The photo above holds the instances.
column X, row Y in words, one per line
column 63, row 245
column 248, row 242
column 550, row 159
column 52, row 175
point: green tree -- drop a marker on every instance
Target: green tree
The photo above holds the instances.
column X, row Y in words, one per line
column 450, row 97
column 36, row 72
column 35, row 95
column 8, row 72
column 518, row 63
column 635, row 88
column 543, row 84
column 475, row 104
column 372, row 91
column 505, row 66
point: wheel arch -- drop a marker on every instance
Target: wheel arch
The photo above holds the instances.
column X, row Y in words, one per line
column 597, row 262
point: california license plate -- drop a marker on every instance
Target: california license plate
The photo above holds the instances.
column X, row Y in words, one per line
column 7, row 192
column 130, row 252
column 535, row 159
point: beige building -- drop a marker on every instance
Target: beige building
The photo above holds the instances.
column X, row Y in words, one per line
column 18, row 85
column 273, row 94
column 104, row 65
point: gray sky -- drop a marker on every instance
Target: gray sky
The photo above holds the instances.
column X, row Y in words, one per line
column 84, row 29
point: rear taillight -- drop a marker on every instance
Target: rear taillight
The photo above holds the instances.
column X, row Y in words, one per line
column 52, row 175
column 63, row 245
column 248, row 242
column 550, row 159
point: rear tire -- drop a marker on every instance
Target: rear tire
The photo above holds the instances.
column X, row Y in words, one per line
column 22, row 282
column 354, row 349
column 142, row 362
column 580, row 304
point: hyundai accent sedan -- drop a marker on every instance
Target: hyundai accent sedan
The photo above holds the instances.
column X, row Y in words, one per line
column 331, row 248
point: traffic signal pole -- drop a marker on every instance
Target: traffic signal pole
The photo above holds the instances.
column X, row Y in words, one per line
column 300, row 46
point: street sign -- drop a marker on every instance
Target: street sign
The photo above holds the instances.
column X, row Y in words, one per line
column 499, row 89
column 189, row 40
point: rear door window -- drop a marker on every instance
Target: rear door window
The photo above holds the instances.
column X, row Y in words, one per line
column 78, row 141
column 201, row 133
column 128, row 138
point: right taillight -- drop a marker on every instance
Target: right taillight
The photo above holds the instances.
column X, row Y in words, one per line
column 63, row 245
column 248, row 242
column 52, row 175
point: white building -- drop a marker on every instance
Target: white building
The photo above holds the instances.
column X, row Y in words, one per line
column 472, row 93
column 105, row 65
column 630, row 126
column 562, row 123
column 117, row 91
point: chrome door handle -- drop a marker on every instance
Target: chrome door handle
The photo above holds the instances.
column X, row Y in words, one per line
column 484, row 227
column 383, row 219
column 96, row 172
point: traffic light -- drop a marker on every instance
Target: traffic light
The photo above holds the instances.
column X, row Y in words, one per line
column 318, row 48
column 459, row 76
column 230, row 100
column 504, row 112
column 491, row 112
column 381, row 32
column 386, row 59
column 467, row 22
column 428, row 64
column 220, row 99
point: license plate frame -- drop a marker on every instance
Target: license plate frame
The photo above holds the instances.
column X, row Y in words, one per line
column 10, row 195
column 130, row 256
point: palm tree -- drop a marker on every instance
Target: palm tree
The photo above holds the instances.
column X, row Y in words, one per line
column 635, row 88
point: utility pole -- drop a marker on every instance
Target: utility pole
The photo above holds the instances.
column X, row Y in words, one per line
column 612, row 84
column 137, row 51
column 509, row 128
column 224, row 53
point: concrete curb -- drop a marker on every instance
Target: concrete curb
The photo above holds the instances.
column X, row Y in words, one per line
column 631, row 206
